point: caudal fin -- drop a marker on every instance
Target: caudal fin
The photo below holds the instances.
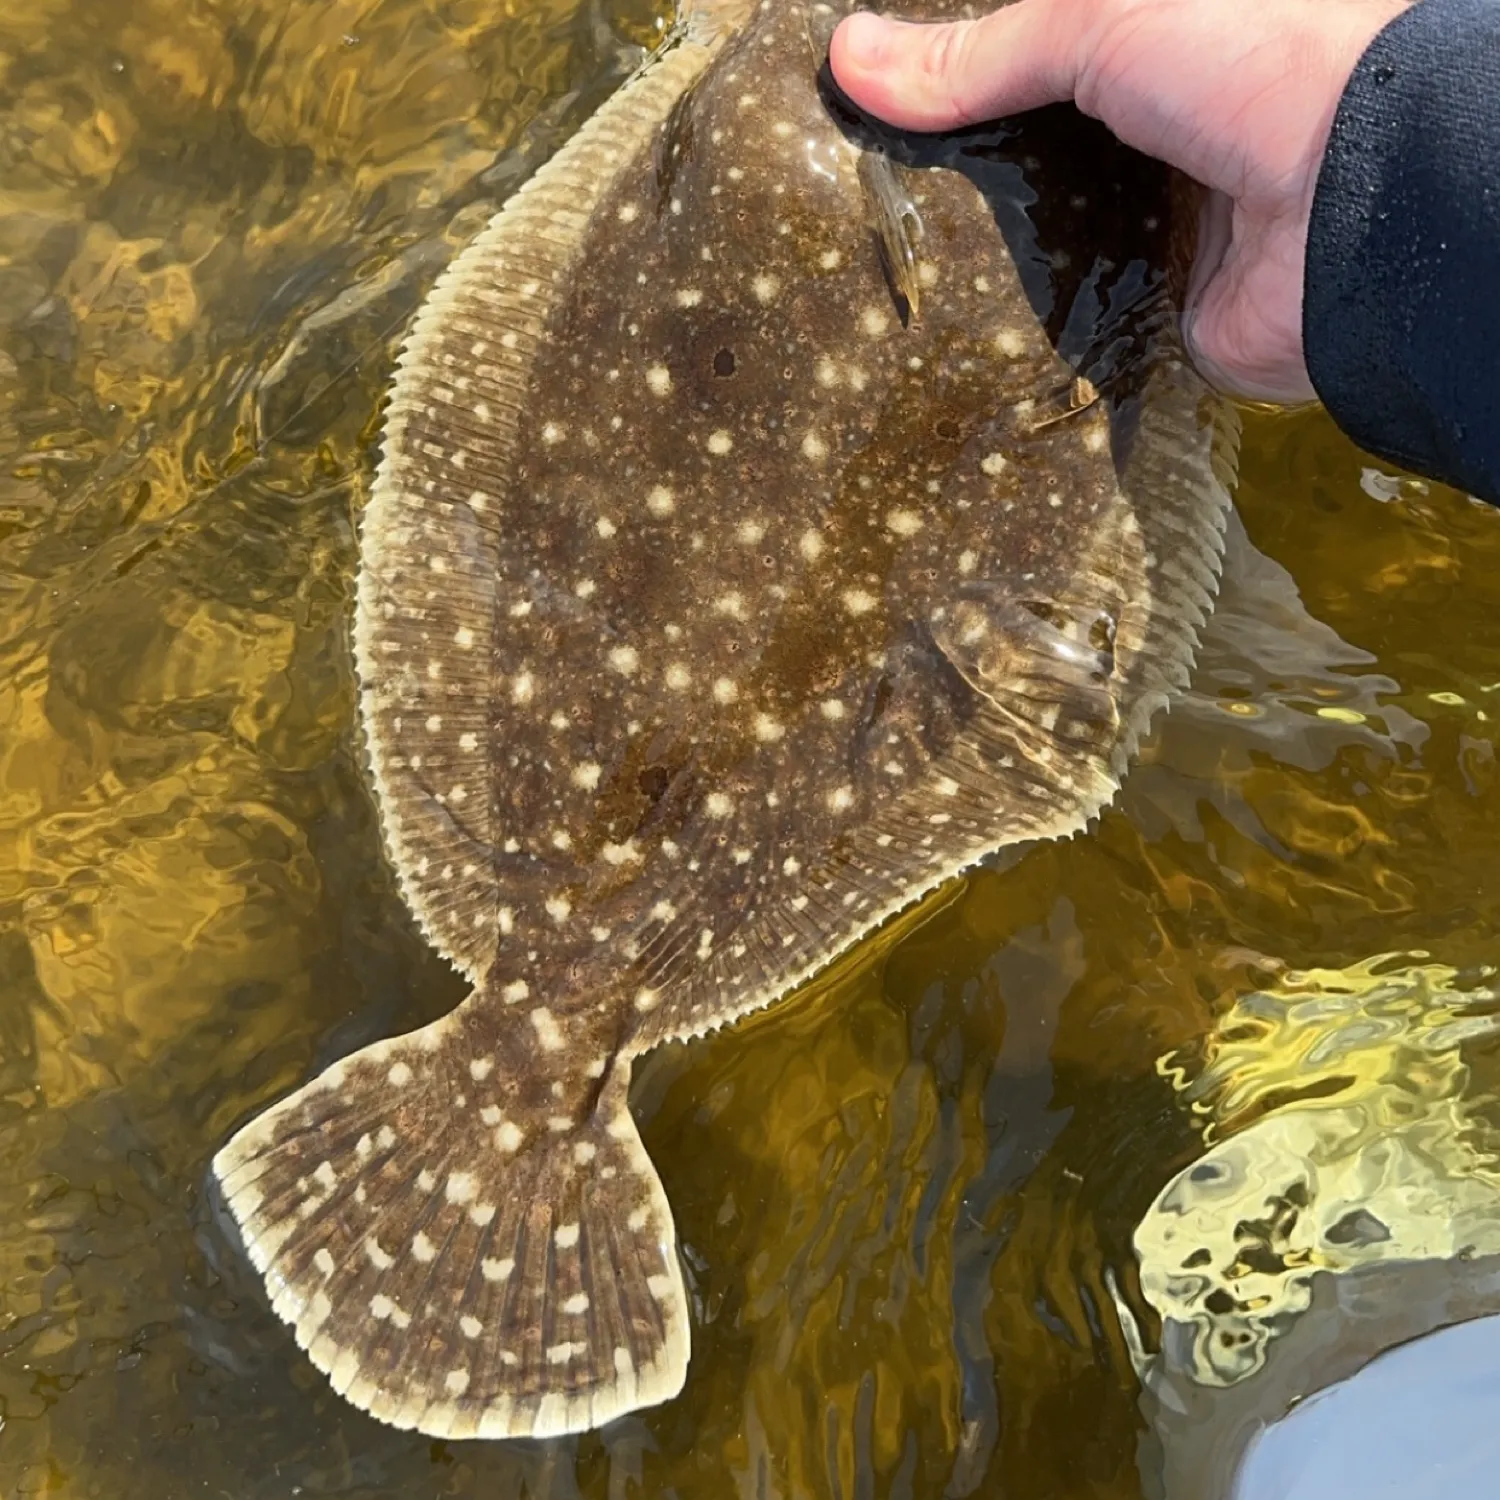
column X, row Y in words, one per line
column 452, row 1262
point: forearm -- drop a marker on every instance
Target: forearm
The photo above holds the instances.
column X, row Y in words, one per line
column 1401, row 316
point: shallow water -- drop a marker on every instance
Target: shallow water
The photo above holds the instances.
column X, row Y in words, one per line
column 908, row 1199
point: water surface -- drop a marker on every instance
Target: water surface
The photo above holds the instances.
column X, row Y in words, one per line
column 910, row 1199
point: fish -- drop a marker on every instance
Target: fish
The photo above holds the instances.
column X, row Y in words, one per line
column 777, row 515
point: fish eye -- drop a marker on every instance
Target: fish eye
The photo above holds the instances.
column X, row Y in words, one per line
column 724, row 362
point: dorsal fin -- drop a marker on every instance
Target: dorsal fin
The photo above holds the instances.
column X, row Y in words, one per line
column 429, row 580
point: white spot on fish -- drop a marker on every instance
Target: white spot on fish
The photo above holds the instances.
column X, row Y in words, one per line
column 566, row 1236
column 659, row 380
column 660, row 501
column 399, row 1076
column 719, row 442
column 548, row 1034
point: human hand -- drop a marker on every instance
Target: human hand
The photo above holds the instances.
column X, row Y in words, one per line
column 1240, row 97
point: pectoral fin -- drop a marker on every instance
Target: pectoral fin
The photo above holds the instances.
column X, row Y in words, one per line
column 896, row 223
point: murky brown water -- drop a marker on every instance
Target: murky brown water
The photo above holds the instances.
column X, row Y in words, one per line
column 908, row 1199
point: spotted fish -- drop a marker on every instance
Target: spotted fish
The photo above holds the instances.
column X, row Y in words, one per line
column 776, row 516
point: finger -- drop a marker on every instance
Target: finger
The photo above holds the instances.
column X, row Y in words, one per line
column 923, row 77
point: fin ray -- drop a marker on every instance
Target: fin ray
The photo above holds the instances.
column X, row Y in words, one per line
column 432, row 530
column 465, row 1280
column 1010, row 777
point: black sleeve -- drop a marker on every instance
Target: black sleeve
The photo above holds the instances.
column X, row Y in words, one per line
column 1401, row 316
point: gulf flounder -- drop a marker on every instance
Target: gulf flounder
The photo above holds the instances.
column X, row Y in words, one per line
column 747, row 557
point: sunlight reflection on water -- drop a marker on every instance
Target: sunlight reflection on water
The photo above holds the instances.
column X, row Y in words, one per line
column 904, row 1197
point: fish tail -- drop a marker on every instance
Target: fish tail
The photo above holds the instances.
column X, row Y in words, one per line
column 454, row 1260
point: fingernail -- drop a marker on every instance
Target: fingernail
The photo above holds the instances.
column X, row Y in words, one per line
column 865, row 40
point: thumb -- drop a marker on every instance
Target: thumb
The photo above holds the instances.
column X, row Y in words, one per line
column 923, row 77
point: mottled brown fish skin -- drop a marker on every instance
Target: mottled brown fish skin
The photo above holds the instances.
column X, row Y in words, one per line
column 715, row 604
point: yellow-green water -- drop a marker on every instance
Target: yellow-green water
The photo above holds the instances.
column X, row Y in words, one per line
column 904, row 1197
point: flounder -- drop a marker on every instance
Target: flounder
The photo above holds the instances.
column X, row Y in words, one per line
column 761, row 538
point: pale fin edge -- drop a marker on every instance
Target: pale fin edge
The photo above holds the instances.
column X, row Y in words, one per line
column 1183, row 458
column 1190, row 482
column 451, row 432
column 452, row 1268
